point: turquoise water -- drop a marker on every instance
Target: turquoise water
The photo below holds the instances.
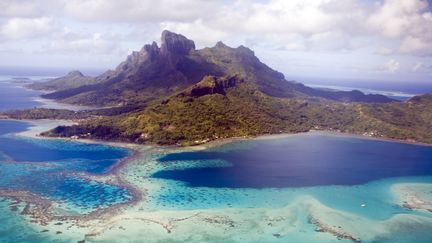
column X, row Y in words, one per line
column 49, row 168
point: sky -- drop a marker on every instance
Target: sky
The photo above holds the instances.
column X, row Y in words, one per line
column 387, row 40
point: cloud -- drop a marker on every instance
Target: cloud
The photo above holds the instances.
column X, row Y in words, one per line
column 409, row 21
column 20, row 8
column 384, row 51
column 414, row 45
column 22, row 28
column 390, row 66
column 358, row 31
column 320, row 25
column 133, row 11
column 81, row 43
column 296, row 24
column 195, row 31
column 417, row 66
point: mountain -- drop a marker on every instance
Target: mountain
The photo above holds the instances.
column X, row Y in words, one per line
column 215, row 107
column 156, row 72
column 176, row 94
column 72, row 80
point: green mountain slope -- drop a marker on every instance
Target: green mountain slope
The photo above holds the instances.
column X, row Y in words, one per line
column 216, row 107
column 224, row 107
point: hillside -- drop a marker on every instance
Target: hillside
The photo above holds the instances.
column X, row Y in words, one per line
column 72, row 80
column 215, row 107
column 178, row 95
column 156, row 72
column 410, row 120
column 228, row 107
column 223, row 107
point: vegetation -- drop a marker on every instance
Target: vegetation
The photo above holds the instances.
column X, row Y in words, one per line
column 242, row 111
column 43, row 113
column 178, row 95
column 203, row 112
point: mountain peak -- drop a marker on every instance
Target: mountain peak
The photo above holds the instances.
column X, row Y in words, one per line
column 75, row 73
column 150, row 49
column 175, row 43
column 246, row 50
column 220, row 44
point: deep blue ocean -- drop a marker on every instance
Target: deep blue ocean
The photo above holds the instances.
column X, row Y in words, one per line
column 407, row 86
column 14, row 96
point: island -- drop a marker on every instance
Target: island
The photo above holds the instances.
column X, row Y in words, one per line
column 177, row 95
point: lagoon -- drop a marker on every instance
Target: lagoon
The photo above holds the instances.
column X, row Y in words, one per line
column 303, row 160
column 49, row 168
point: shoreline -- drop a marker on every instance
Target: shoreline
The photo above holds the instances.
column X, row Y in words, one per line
column 37, row 126
column 224, row 141
column 50, row 104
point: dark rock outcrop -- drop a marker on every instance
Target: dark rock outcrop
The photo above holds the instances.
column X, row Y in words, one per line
column 176, row 44
column 212, row 85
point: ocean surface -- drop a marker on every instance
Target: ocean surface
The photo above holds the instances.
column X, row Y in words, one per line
column 14, row 96
column 399, row 90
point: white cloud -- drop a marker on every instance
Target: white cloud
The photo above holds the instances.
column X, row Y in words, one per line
column 295, row 24
column 410, row 21
column 138, row 10
column 357, row 31
column 417, row 66
column 20, row 8
column 320, row 24
column 391, row 66
column 413, row 45
column 384, row 51
column 21, row 28
column 393, row 18
column 73, row 43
